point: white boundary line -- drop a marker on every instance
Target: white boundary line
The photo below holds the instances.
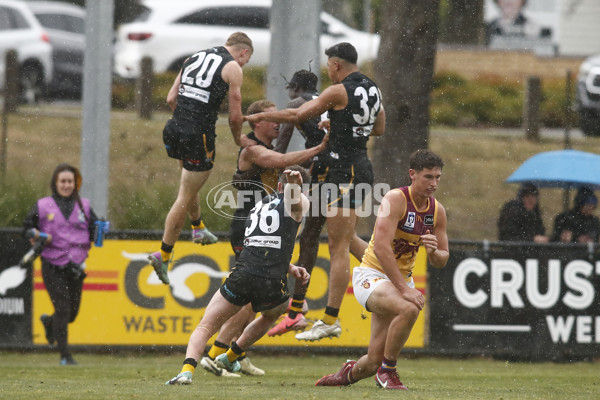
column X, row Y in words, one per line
column 492, row 328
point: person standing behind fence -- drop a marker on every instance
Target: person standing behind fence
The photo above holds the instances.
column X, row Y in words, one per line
column 195, row 97
column 408, row 218
column 578, row 225
column 521, row 219
column 68, row 221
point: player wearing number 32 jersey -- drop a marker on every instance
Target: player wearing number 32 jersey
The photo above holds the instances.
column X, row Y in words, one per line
column 354, row 106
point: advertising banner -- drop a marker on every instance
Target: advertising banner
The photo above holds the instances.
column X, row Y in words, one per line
column 15, row 291
column 124, row 303
column 533, row 302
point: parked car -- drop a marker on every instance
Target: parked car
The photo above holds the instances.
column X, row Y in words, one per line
column 170, row 31
column 65, row 25
column 587, row 99
column 21, row 31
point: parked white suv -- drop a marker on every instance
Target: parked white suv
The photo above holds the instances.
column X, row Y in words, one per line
column 587, row 99
column 21, row 31
column 170, row 31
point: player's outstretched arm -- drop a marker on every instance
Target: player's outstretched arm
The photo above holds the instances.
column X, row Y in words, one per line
column 294, row 198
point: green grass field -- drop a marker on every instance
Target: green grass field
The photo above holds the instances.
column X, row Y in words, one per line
column 37, row 375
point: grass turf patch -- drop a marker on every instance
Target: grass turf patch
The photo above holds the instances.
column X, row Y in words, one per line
column 143, row 376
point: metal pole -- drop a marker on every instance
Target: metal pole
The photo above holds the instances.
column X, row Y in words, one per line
column 366, row 22
column 292, row 23
column 97, row 78
column 568, row 113
column 568, row 117
column 144, row 86
column 11, row 99
column 531, row 108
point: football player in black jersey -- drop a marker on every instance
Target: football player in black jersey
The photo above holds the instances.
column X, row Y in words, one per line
column 302, row 88
column 259, row 167
column 189, row 136
column 355, row 112
column 259, row 276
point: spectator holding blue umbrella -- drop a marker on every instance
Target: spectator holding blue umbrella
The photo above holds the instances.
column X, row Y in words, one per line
column 579, row 225
column 521, row 219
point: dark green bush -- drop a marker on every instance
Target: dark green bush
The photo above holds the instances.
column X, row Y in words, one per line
column 492, row 101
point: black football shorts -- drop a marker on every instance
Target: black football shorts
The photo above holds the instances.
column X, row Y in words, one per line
column 242, row 287
column 184, row 141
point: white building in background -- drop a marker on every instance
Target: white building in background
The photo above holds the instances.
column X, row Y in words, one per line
column 546, row 27
column 580, row 27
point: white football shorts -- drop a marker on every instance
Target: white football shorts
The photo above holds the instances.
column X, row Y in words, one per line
column 365, row 280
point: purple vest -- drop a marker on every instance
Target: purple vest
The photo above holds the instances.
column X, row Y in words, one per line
column 70, row 237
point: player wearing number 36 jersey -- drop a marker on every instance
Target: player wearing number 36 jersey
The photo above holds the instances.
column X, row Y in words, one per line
column 259, row 276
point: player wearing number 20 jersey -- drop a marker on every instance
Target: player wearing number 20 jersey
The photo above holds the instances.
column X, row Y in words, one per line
column 190, row 134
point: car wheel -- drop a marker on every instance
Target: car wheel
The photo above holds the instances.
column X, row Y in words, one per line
column 32, row 83
column 589, row 122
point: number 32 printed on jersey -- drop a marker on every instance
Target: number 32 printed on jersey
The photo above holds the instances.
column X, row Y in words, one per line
column 369, row 104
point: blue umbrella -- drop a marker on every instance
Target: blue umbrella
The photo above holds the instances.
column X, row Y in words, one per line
column 560, row 169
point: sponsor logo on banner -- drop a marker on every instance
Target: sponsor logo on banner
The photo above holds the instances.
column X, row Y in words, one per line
column 545, row 305
column 124, row 302
column 12, row 278
column 570, row 286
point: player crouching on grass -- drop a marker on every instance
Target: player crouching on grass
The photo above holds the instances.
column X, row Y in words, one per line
column 259, row 276
column 409, row 217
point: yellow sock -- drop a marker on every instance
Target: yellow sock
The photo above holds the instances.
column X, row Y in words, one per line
column 231, row 356
column 165, row 256
column 188, row 367
column 215, row 351
column 201, row 226
column 328, row 319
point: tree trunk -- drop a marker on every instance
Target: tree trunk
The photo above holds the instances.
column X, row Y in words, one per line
column 404, row 73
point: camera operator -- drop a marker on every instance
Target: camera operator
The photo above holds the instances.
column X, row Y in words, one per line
column 65, row 223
